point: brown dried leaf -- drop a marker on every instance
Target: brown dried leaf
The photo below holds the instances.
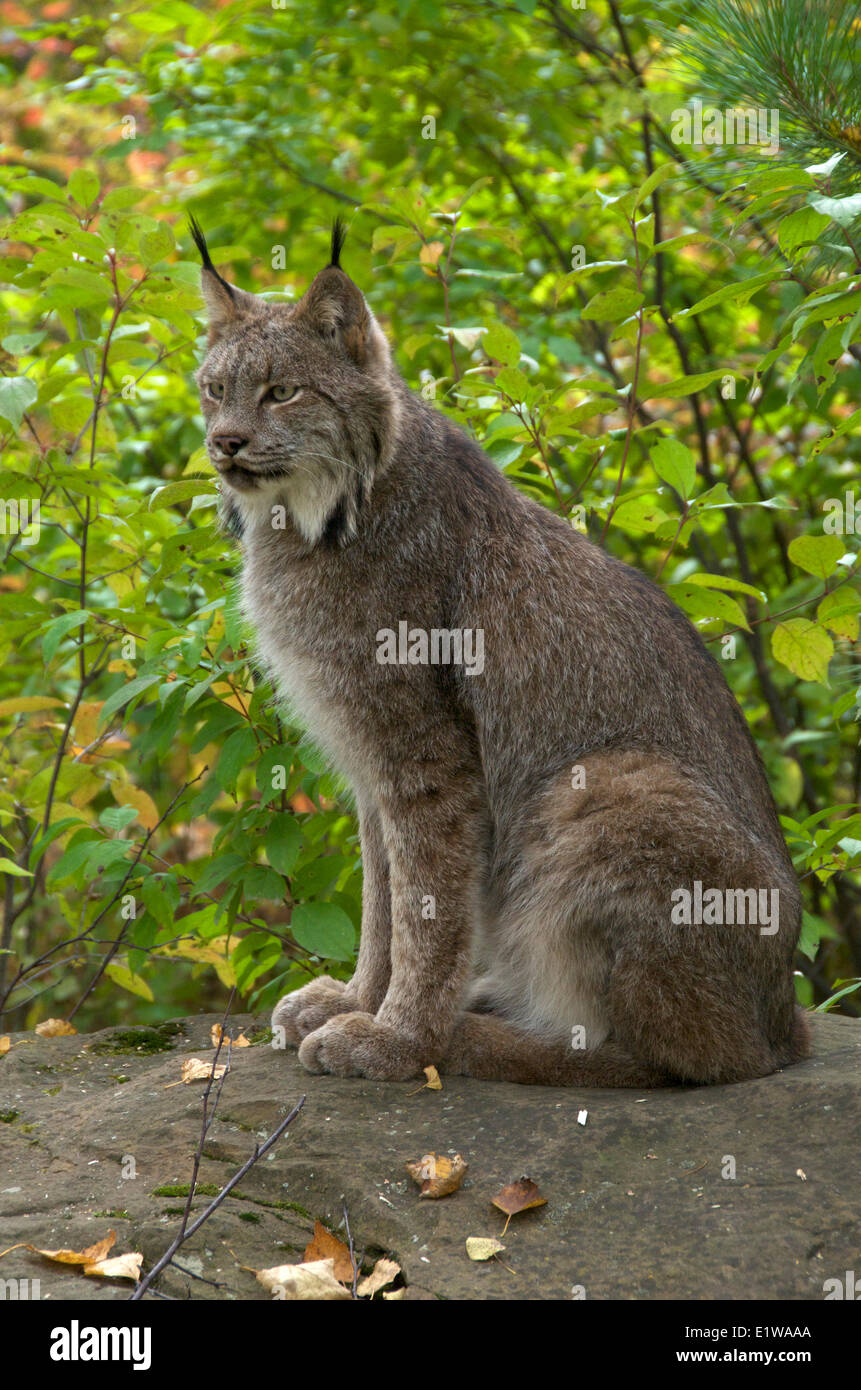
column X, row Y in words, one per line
column 323, row 1246
column 195, row 1070
column 120, row 1267
column 313, row 1282
column 384, row 1272
column 518, row 1196
column 439, row 1176
column 55, row 1028
column 215, row 1035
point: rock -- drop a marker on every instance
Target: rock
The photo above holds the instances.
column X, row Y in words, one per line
column 637, row 1204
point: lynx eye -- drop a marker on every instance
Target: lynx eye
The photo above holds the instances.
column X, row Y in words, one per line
column 215, row 389
column 283, row 393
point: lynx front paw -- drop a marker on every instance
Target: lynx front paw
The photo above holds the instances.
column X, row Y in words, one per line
column 307, row 1009
column 356, row 1045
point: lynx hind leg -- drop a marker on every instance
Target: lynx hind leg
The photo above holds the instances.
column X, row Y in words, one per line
column 310, row 1007
column 697, row 1004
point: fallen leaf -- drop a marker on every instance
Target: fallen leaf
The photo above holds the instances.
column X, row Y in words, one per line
column 323, row 1246
column 55, row 1028
column 384, row 1272
column 92, row 1255
column 433, row 1082
column 395, row 1294
column 5, row 1043
column 483, row 1247
column 800, row 1173
column 215, row 1035
column 518, row 1196
column 313, row 1282
column 195, row 1070
column 120, row 1267
column 439, row 1176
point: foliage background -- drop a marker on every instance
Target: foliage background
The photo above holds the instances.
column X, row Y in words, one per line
column 690, row 402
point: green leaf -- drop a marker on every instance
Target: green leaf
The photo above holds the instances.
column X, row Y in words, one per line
column 8, row 866
column 236, row 754
column 683, row 386
column 804, row 648
column 22, row 344
column 639, row 516
column 500, row 343
column 611, row 306
column 724, row 581
column 655, row 179
column 800, row 229
column 117, row 817
column 283, row 841
column 17, row 394
column 58, row 629
column 263, row 882
column 172, row 493
column 817, row 554
column 708, row 604
column 124, row 694
column 323, row 929
column 675, row 464
column 83, row 187
column 739, row 291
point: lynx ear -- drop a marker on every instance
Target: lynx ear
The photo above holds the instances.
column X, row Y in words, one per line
column 336, row 309
column 224, row 303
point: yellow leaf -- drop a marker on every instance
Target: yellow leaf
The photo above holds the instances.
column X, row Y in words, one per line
column 25, row 704
column 122, row 976
column 483, row 1247
column 55, row 1028
column 127, row 794
column 92, row 1255
column 430, row 254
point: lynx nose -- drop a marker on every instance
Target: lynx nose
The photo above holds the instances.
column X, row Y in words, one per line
column 229, row 444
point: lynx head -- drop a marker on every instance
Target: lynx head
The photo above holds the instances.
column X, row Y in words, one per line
column 300, row 400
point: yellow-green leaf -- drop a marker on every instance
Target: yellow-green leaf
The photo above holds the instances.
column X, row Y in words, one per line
column 817, row 554
column 804, row 648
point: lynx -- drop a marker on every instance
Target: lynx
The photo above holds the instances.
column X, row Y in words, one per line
column 526, row 828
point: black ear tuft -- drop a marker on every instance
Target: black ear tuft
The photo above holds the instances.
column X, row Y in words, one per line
column 206, row 260
column 339, row 236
